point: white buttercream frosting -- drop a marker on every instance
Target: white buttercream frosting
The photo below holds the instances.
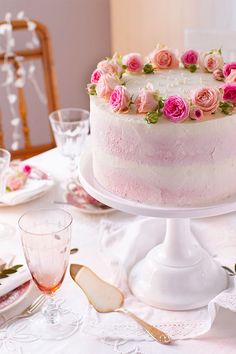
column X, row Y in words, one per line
column 188, row 163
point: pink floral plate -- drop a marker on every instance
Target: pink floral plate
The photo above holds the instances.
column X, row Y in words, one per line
column 14, row 297
column 79, row 198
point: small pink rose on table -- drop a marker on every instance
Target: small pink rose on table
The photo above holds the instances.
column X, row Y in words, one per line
column 228, row 67
column 190, row 59
column 196, row 113
column 229, row 93
column 207, row 99
column 15, row 182
column 147, row 100
column 27, row 169
column 96, row 76
column 218, row 75
column 106, row 85
column 231, row 78
column 211, row 61
column 163, row 59
column 176, row 109
column 120, row 99
column 133, row 62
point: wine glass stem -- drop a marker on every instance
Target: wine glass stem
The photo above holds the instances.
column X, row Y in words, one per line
column 73, row 167
column 51, row 310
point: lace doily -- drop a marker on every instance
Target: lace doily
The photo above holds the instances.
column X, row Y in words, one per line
column 121, row 245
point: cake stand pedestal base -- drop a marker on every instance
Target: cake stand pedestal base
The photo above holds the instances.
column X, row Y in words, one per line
column 177, row 274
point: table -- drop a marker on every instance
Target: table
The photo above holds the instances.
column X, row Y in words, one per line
column 221, row 339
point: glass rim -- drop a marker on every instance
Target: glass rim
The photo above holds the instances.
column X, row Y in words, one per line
column 52, row 114
column 6, row 152
column 44, row 210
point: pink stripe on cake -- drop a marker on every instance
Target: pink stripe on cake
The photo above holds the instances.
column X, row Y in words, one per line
column 152, row 149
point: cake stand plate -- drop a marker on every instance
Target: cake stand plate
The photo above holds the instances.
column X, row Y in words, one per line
column 177, row 274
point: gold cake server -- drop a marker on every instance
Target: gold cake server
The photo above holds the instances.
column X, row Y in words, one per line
column 105, row 297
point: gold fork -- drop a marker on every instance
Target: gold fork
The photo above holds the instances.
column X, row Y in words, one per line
column 30, row 310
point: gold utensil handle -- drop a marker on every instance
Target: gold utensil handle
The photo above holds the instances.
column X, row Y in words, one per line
column 154, row 332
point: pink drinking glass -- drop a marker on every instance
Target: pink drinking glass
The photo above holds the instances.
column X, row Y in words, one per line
column 46, row 236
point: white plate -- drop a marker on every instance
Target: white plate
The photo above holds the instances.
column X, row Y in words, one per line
column 15, row 297
column 77, row 197
column 93, row 211
column 33, row 196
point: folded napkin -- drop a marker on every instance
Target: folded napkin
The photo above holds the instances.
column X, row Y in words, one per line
column 31, row 189
column 16, row 279
column 11, row 283
column 122, row 245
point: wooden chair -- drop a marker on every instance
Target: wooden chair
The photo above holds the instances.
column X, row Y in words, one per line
column 44, row 53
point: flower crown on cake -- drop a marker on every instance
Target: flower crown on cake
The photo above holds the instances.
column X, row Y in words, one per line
column 107, row 82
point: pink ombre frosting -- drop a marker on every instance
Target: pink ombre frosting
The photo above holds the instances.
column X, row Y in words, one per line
column 187, row 164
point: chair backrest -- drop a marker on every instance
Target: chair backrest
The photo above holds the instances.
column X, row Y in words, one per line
column 206, row 39
column 43, row 53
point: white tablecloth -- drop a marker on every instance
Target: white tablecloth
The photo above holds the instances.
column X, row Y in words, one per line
column 221, row 339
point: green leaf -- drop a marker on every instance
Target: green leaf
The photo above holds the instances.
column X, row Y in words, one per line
column 227, row 107
column 91, row 88
column 192, row 68
column 161, row 102
column 8, row 271
column 3, row 276
column 235, row 267
column 152, row 117
column 230, row 271
column 148, row 69
column 124, row 67
column 17, row 266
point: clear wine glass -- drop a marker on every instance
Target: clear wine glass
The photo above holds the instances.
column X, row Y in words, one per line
column 70, row 127
column 5, row 158
column 46, row 235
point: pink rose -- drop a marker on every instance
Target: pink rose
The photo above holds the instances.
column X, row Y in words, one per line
column 218, row 74
column 27, row 170
column 231, row 78
column 163, row 59
column 14, row 183
column 176, row 109
column 229, row 93
column 146, row 100
column 120, row 99
column 211, row 61
column 228, row 67
column 133, row 61
column 196, row 113
column 106, row 85
column 190, row 57
column 96, row 76
column 207, row 99
column 109, row 66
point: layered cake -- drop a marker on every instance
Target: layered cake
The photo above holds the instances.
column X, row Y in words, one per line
column 163, row 128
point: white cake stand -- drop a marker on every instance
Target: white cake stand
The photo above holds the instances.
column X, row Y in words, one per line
column 177, row 274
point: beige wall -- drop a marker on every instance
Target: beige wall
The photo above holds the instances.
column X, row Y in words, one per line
column 138, row 25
